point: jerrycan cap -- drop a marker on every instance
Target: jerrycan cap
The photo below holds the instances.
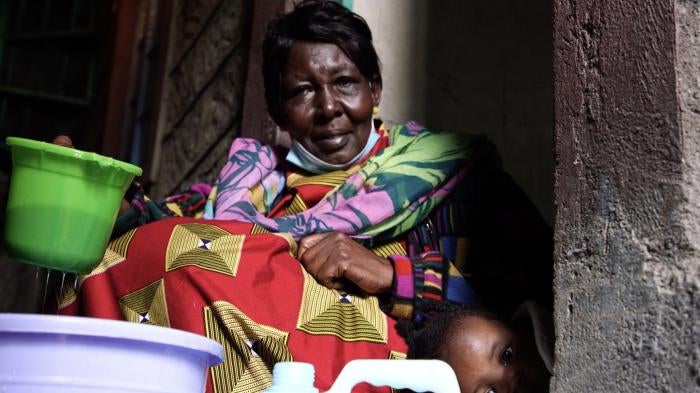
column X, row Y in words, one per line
column 293, row 377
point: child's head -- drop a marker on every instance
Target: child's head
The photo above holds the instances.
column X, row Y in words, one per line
column 485, row 353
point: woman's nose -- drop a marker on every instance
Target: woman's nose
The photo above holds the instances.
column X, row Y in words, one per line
column 328, row 105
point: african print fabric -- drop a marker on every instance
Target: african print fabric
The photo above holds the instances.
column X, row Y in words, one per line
column 245, row 290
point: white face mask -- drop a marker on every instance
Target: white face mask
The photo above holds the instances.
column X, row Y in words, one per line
column 299, row 156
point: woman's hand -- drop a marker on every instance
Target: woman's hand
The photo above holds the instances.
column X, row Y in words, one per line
column 63, row 140
column 334, row 259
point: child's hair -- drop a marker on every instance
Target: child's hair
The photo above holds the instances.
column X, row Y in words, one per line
column 427, row 336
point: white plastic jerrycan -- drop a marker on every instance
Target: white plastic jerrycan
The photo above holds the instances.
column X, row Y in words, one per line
column 418, row 375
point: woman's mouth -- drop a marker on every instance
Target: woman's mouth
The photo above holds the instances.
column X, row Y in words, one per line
column 332, row 142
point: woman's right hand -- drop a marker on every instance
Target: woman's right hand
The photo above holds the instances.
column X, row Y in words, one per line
column 334, row 259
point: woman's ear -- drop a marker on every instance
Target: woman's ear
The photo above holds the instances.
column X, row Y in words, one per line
column 375, row 87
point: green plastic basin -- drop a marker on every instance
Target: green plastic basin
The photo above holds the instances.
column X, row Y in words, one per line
column 62, row 204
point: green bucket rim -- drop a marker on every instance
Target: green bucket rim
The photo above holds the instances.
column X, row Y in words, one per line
column 73, row 153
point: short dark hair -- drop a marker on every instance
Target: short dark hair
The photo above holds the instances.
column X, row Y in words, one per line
column 315, row 21
column 426, row 338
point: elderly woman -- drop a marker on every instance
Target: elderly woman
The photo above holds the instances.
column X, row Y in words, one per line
column 379, row 215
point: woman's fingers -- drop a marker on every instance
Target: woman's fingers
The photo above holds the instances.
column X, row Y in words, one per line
column 328, row 275
column 313, row 255
column 333, row 259
column 63, row 140
column 308, row 242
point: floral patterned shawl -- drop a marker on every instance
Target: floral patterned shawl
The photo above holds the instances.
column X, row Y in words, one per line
column 385, row 196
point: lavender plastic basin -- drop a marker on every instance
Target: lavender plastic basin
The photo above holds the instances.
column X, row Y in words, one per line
column 60, row 354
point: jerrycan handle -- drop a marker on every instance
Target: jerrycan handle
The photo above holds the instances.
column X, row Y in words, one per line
column 418, row 375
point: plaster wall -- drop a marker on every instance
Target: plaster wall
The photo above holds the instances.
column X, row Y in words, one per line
column 399, row 30
column 685, row 276
column 474, row 67
column 688, row 86
column 627, row 212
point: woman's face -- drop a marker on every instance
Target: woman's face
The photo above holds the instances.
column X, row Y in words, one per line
column 326, row 101
column 483, row 355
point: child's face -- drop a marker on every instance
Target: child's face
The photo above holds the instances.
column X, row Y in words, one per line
column 483, row 354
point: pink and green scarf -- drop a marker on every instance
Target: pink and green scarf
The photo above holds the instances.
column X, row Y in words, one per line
column 384, row 197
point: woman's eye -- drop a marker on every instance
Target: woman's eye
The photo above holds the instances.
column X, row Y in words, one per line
column 345, row 84
column 491, row 390
column 299, row 90
column 507, row 356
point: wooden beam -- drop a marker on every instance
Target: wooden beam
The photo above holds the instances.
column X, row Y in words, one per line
column 120, row 77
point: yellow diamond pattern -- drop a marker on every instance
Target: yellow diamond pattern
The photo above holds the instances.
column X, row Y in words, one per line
column 146, row 305
column 250, row 349
column 205, row 246
column 323, row 313
column 114, row 255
